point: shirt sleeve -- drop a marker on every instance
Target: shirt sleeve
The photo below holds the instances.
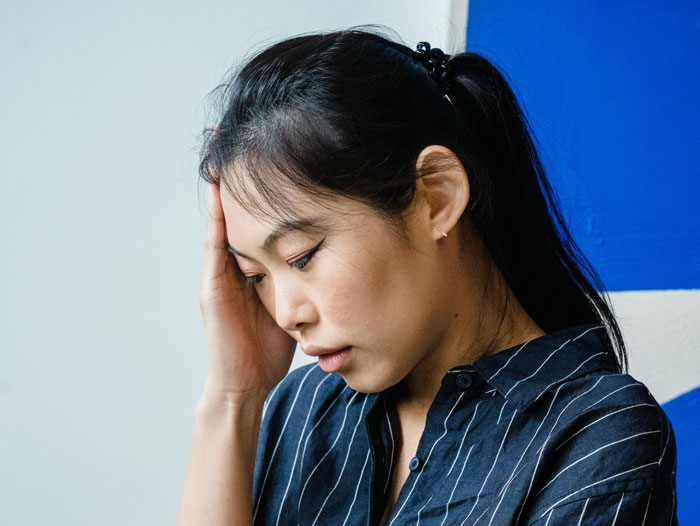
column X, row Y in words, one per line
column 607, row 465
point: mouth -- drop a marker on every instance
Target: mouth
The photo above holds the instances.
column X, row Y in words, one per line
column 334, row 361
column 314, row 350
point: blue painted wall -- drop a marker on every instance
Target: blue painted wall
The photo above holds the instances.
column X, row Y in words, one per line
column 684, row 413
column 612, row 90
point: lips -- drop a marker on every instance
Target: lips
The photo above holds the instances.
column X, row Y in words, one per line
column 315, row 350
column 335, row 361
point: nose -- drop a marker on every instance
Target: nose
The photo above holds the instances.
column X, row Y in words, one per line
column 293, row 309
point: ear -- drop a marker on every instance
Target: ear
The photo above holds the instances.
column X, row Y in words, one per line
column 443, row 185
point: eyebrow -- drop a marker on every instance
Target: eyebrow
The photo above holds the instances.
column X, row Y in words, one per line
column 286, row 227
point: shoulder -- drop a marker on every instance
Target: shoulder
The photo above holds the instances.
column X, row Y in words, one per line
column 610, row 436
column 614, row 416
column 604, row 404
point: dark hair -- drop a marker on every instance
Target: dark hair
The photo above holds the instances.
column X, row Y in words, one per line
column 346, row 113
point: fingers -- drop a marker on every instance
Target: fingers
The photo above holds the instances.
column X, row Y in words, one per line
column 215, row 244
column 216, row 227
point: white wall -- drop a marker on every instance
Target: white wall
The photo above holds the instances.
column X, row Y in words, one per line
column 661, row 329
column 102, row 347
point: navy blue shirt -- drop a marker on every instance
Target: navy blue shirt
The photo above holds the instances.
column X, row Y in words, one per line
column 543, row 433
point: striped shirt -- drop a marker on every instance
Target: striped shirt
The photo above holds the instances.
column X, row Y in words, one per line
column 543, row 433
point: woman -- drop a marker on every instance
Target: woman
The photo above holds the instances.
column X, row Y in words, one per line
column 386, row 209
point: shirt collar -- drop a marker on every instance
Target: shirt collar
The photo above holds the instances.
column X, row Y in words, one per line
column 523, row 372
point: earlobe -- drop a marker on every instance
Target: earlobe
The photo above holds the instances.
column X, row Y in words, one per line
column 445, row 185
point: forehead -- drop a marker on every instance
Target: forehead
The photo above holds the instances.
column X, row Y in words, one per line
column 253, row 231
column 298, row 207
column 266, row 196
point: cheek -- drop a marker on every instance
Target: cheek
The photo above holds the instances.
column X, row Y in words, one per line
column 348, row 300
column 373, row 299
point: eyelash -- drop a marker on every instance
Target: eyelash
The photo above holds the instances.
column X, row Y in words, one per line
column 303, row 261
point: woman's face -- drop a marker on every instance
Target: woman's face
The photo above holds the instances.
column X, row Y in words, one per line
column 360, row 288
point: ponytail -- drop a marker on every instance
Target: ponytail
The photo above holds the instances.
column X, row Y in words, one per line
column 516, row 211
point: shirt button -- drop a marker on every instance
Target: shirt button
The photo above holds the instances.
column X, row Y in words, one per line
column 464, row 380
column 415, row 464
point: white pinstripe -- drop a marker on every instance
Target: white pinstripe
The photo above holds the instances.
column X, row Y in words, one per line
column 612, row 393
column 357, row 487
column 673, row 507
column 572, row 372
column 482, row 514
column 593, row 453
column 599, row 419
column 618, row 509
column 593, row 484
column 306, row 441
column 352, row 439
column 585, row 504
column 415, row 481
column 340, row 432
column 270, row 397
column 647, row 508
column 512, row 475
column 421, row 509
column 589, row 330
column 447, row 506
column 545, row 360
column 500, row 448
column 675, row 465
column 447, row 510
column 540, row 367
column 509, row 359
column 463, row 437
column 296, row 455
column 501, row 413
column 279, row 439
column 541, row 448
column 391, row 434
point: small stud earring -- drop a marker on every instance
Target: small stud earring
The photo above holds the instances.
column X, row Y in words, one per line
column 440, row 229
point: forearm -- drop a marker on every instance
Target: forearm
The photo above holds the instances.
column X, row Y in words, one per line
column 218, row 484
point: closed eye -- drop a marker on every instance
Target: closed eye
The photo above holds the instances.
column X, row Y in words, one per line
column 299, row 263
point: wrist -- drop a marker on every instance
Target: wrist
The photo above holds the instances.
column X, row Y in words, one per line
column 214, row 397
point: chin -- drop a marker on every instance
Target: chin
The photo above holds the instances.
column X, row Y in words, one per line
column 367, row 384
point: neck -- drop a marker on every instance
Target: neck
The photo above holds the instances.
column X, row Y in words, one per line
column 478, row 326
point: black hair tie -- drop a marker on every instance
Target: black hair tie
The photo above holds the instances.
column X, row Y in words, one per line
column 435, row 61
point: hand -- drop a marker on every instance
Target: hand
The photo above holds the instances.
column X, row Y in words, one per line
column 248, row 352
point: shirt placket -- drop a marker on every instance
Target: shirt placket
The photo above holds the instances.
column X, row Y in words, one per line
column 449, row 409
